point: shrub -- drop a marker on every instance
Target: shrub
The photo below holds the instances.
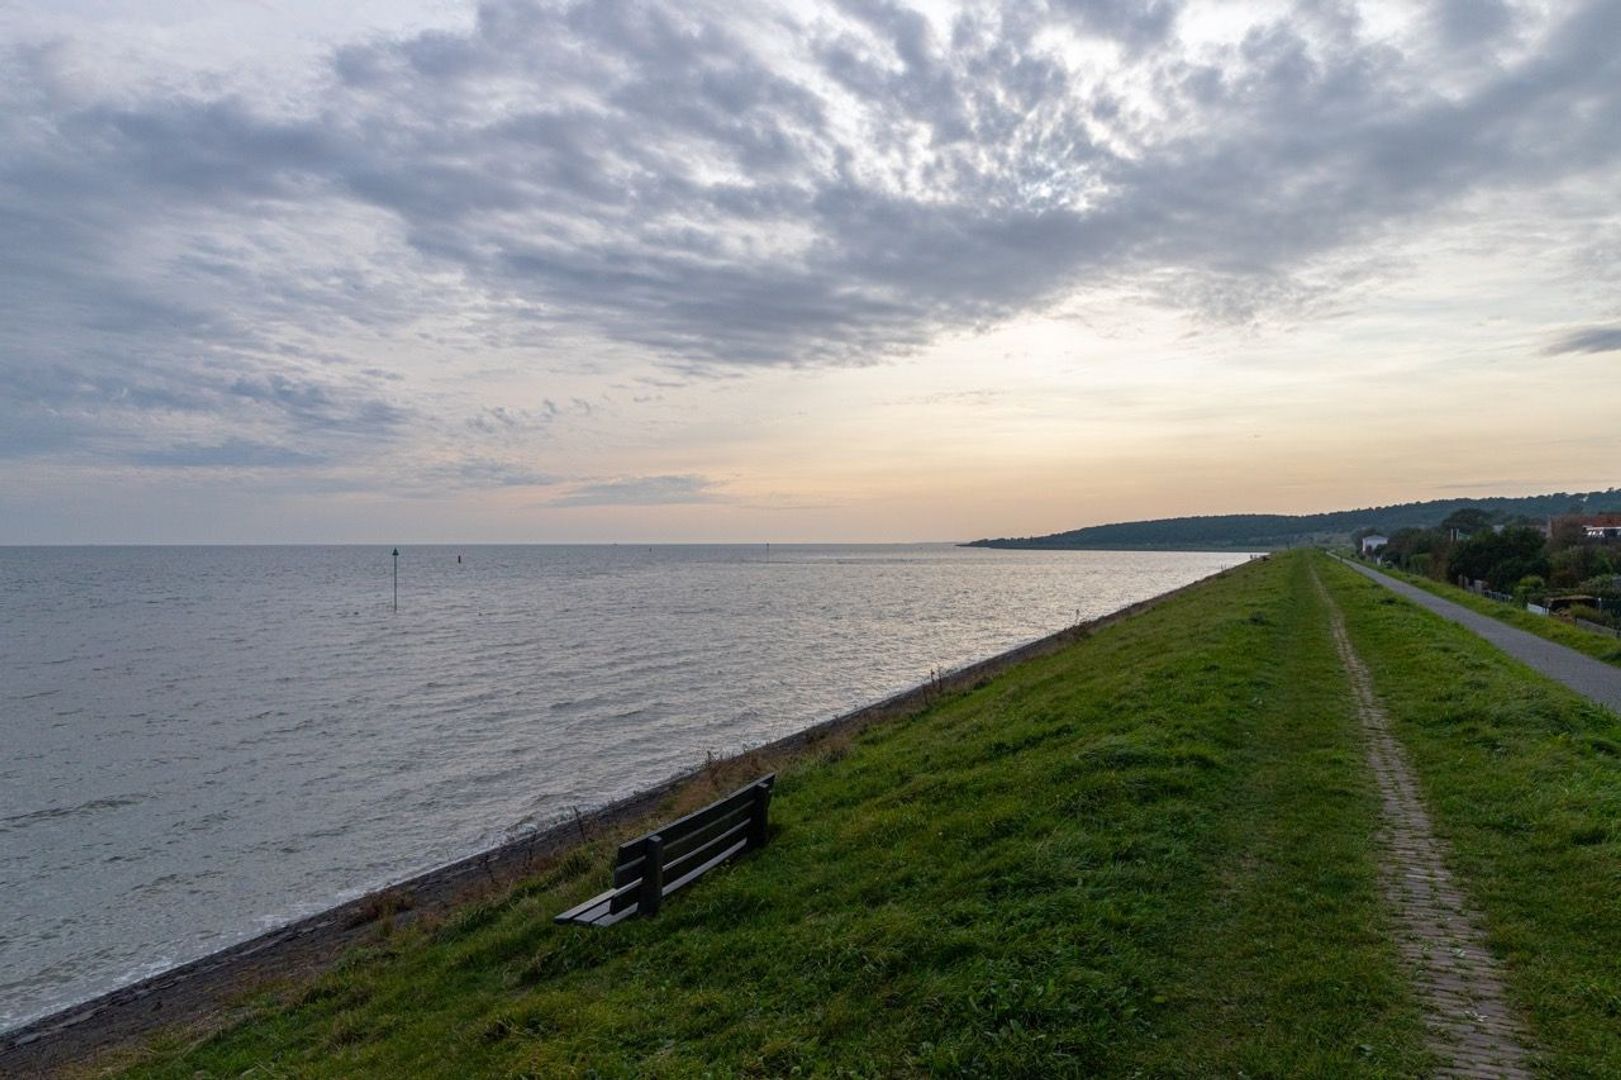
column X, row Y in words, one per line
column 1592, row 615
column 1529, row 588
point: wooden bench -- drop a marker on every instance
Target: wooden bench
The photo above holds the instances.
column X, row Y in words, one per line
column 673, row 856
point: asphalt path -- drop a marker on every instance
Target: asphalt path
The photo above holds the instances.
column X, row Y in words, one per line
column 1591, row 678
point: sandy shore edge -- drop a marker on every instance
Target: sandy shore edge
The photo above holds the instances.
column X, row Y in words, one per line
column 205, row 988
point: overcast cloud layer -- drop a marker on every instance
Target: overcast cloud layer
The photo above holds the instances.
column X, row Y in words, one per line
column 199, row 272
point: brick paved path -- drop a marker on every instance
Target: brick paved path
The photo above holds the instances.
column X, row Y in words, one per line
column 1473, row 1031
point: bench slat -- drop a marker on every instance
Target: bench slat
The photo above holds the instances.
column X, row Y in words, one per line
column 699, row 871
column 628, row 870
column 678, row 866
column 709, row 813
column 610, row 919
column 678, row 845
column 587, row 911
column 632, row 849
column 597, row 911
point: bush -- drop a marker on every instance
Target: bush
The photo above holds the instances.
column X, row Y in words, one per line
column 1569, row 566
column 1529, row 589
column 1592, row 615
column 1605, row 585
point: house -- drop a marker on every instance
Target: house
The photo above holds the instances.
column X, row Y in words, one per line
column 1602, row 526
column 1373, row 542
column 1593, row 526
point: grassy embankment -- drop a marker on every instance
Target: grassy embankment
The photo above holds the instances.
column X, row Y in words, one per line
column 1524, row 779
column 1598, row 646
column 1149, row 853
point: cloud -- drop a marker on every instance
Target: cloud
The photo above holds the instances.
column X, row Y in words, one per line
column 488, row 472
column 642, row 491
column 509, row 420
column 1590, row 339
column 718, row 190
column 107, row 398
column 232, row 453
column 1467, row 24
column 1136, row 23
column 501, row 420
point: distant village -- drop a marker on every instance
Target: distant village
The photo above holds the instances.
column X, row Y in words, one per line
column 1566, row 564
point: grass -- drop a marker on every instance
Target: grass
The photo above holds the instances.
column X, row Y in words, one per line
column 1523, row 778
column 1147, row 854
column 1598, row 646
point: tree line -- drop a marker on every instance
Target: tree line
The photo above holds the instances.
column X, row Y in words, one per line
column 1518, row 556
column 1257, row 531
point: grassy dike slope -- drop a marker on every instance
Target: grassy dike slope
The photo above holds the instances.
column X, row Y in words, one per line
column 1149, row 852
column 1523, row 778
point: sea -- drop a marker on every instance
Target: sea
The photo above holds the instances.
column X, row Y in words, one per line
column 198, row 744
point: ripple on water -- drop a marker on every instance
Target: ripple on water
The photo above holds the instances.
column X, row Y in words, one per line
column 15, row 822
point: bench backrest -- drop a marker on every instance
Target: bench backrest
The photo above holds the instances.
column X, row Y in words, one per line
column 653, row 866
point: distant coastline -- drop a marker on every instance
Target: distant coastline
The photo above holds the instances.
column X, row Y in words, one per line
column 1042, row 543
column 1268, row 532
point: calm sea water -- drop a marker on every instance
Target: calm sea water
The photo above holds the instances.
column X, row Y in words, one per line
column 197, row 744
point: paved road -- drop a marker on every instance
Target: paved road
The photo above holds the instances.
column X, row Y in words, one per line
column 1591, row 678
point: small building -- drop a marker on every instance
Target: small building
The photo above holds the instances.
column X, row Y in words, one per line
column 1373, row 542
column 1602, row 526
column 1593, row 526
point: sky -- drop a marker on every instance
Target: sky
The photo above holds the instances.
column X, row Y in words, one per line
column 419, row 270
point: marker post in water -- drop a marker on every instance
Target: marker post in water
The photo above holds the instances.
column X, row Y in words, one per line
column 396, row 579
